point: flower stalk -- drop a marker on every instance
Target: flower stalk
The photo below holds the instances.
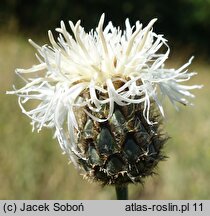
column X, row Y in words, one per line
column 121, row 192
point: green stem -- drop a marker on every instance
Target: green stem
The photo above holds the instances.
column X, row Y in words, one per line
column 121, row 192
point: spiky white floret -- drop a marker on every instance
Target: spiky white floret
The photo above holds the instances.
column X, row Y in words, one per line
column 92, row 62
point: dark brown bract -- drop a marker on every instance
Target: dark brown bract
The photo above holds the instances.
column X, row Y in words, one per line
column 123, row 149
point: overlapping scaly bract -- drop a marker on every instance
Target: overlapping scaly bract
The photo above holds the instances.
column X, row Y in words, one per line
column 124, row 149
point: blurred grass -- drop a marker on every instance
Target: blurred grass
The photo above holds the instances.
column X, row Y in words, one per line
column 32, row 166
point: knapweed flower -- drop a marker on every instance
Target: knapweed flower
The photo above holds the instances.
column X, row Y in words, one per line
column 102, row 93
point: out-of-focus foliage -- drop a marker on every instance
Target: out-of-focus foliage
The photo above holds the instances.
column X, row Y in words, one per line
column 31, row 164
column 186, row 21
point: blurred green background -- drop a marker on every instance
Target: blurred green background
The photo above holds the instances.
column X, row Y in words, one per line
column 32, row 165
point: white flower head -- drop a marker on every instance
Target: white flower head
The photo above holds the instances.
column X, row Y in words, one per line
column 74, row 70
